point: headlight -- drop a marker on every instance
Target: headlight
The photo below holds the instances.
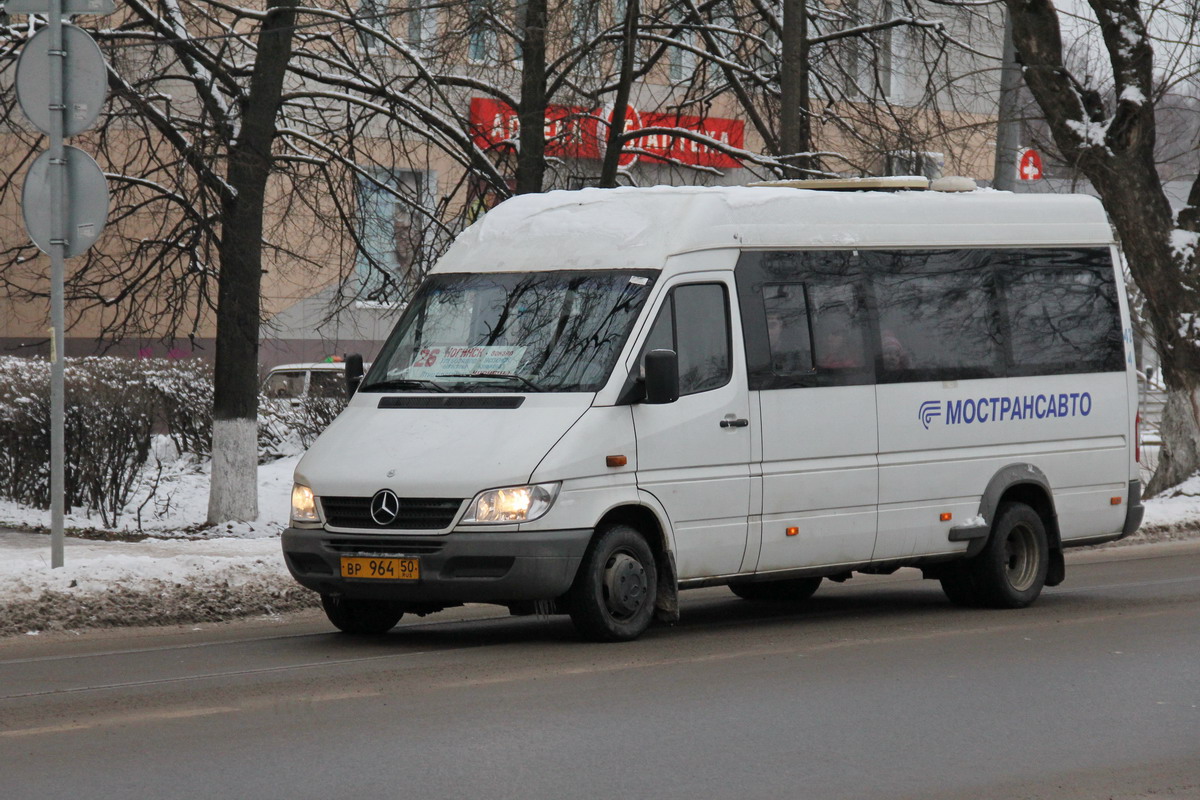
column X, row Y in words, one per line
column 512, row 504
column 304, row 504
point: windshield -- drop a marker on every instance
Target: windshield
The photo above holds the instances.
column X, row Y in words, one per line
column 511, row 332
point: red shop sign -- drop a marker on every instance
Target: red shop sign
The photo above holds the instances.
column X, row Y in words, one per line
column 575, row 132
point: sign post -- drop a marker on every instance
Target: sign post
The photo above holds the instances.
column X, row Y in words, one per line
column 61, row 79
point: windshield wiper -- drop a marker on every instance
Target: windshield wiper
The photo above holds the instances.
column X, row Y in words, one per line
column 405, row 383
column 511, row 376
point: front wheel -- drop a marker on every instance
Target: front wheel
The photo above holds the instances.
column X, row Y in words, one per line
column 368, row 617
column 612, row 599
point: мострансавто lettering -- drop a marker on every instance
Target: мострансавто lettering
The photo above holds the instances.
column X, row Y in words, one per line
column 1006, row 408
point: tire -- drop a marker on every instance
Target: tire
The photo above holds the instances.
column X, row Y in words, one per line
column 612, row 599
column 959, row 586
column 792, row 590
column 366, row 617
column 1011, row 570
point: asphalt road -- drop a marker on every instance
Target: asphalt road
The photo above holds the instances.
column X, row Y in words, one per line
column 875, row 689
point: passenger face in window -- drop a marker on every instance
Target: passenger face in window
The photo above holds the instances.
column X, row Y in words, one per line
column 836, row 350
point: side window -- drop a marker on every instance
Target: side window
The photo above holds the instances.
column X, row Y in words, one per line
column 694, row 322
column 1062, row 313
column 937, row 315
column 805, row 319
column 789, row 333
column 327, row 383
column 284, row 384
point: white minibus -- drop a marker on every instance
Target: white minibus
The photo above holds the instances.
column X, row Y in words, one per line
column 600, row 397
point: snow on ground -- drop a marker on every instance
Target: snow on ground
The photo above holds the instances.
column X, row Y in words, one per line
column 180, row 571
column 179, row 504
column 187, row 573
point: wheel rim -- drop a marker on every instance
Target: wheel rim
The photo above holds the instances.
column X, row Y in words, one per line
column 624, row 586
column 1021, row 557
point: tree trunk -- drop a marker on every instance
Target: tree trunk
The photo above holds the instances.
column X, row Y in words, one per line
column 795, row 134
column 615, row 141
column 1116, row 152
column 531, row 158
column 233, row 491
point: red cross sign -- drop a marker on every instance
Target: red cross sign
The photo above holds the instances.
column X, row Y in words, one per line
column 1029, row 165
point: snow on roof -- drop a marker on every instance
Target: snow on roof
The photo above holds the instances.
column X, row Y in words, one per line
column 635, row 227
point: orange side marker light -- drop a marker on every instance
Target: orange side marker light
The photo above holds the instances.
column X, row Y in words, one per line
column 792, row 531
column 945, row 516
column 1116, row 501
column 615, row 461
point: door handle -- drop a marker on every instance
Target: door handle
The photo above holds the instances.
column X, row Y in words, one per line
column 732, row 422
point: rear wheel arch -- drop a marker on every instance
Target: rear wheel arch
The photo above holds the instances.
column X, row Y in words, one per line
column 1020, row 483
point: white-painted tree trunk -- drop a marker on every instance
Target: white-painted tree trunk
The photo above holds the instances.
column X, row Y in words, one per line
column 1180, row 431
column 233, row 490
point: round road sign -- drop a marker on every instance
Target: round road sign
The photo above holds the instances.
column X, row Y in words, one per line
column 85, row 80
column 85, row 210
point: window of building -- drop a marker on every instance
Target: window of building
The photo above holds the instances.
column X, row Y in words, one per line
column 681, row 61
column 867, row 58
column 391, row 229
column 481, row 42
column 372, row 17
column 421, row 25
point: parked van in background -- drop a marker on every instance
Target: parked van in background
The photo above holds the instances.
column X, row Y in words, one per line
column 295, row 382
column 600, row 397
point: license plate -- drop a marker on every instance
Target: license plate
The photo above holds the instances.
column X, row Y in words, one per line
column 385, row 569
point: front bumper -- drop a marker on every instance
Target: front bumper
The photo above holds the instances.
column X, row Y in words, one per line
column 474, row 567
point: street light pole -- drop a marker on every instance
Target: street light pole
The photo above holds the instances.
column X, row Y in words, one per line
column 1008, row 127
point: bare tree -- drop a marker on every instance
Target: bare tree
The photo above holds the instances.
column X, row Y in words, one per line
column 1112, row 140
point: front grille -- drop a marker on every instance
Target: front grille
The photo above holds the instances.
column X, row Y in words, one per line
column 415, row 547
column 416, row 513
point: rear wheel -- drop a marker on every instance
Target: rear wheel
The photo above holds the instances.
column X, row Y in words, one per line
column 612, row 599
column 792, row 590
column 1011, row 570
column 370, row 617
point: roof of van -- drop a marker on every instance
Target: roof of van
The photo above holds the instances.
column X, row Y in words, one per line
column 641, row 227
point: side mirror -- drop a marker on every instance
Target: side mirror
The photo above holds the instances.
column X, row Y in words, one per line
column 662, row 377
column 354, row 372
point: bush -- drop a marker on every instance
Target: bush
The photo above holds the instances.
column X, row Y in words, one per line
column 285, row 426
column 113, row 407
column 109, row 417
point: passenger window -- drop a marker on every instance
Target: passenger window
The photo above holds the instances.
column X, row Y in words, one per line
column 789, row 336
column 694, row 322
column 837, row 327
column 1062, row 320
column 937, row 316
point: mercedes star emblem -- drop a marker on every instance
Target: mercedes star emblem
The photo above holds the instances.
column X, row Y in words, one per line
column 385, row 506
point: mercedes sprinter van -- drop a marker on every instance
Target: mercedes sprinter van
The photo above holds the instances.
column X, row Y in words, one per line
column 599, row 397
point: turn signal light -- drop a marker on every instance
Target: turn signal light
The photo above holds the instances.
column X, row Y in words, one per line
column 1116, row 501
column 792, row 531
column 945, row 516
column 615, row 461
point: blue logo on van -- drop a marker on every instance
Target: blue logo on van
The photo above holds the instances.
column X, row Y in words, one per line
column 930, row 410
column 1004, row 409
